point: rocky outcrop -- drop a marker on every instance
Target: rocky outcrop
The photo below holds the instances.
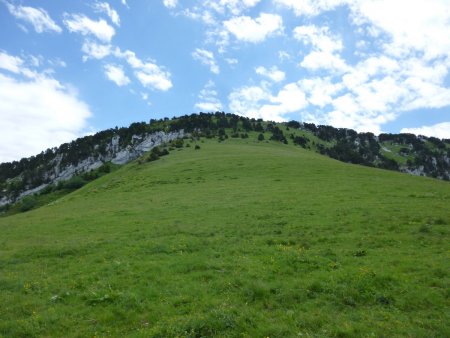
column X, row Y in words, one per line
column 140, row 144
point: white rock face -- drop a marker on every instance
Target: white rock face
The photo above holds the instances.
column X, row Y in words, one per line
column 140, row 144
column 417, row 171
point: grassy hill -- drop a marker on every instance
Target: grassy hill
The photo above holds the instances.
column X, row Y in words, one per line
column 235, row 239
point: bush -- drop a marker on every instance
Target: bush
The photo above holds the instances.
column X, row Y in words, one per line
column 261, row 137
column 178, row 143
column 197, row 147
column 47, row 190
column 28, row 203
column 105, row 168
column 153, row 156
column 74, row 183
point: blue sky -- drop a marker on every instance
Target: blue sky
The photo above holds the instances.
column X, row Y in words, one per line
column 70, row 68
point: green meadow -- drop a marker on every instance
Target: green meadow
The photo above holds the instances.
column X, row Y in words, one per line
column 236, row 239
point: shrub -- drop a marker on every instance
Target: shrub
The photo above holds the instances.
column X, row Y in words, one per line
column 48, row 189
column 261, row 137
column 178, row 143
column 197, row 147
column 74, row 183
column 153, row 156
column 28, row 203
column 105, row 168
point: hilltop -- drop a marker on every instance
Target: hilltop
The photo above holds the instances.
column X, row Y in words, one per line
column 86, row 158
column 232, row 237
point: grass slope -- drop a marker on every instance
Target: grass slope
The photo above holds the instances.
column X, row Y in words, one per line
column 237, row 239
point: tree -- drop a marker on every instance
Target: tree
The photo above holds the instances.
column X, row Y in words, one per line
column 261, row 137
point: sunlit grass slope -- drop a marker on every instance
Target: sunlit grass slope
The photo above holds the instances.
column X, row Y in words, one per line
column 236, row 239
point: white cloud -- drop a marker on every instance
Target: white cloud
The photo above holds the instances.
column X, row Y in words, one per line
column 323, row 60
column 10, row 63
column 258, row 102
column 244, row 28
column 207, row 58
column 116, row 74
column 440, row 130
column 424, row 94
column 18, row 65
column 79, row 23
column 320, row 91
column 208, row 99
column 37, row 17
column 232, row 61
column 320, row 38
column 247, row 101
column 283, row 55
column 325, row 48
column 235, row 7
column 411, row 25
column 148, row 73
column 104, row 7
column 310, row 7
column 273, row 73
column 170, row 3
column 199, row 14
column 37, row 114
column 94, row 50
column 152, row 76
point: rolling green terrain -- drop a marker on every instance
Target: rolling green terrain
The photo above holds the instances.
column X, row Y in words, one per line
column 236, row 239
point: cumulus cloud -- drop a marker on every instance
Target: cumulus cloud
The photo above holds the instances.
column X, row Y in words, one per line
column 402, row 65
column 320, row 90
column 170, row 3
column 410, row 26
column 207, row 58
column 320, row 38
column 94, row 50
column 104, row 7
column 323, row 60
column 259, row 102
column 235, row 7
column 283, row 55
column 116, row 74
column 310, row 7
column 37, row 112
column 37, row 17
column 441, row 130
column 10, row 63
column 148, row 73
column 208, row 101
column 80, row 23
column 232, row 61
column 273, row 73
column 325, row 48
column 247, row 29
